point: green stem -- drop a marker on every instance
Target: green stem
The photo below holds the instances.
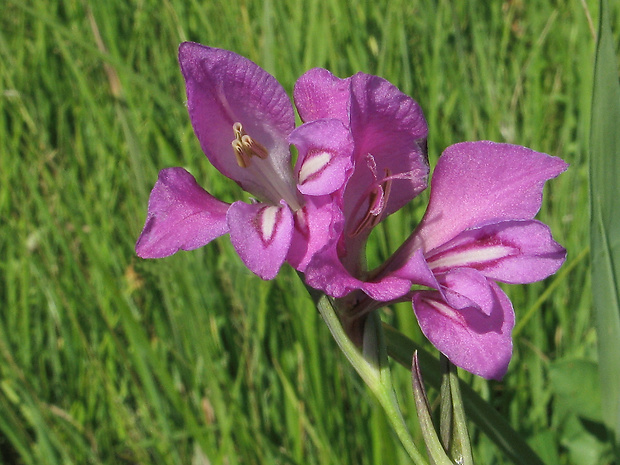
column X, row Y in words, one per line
column 373, row 368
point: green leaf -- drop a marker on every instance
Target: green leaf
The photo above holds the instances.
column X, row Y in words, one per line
column 453, row 424
column 577, row 410
column 433, row 445
column 605, row 218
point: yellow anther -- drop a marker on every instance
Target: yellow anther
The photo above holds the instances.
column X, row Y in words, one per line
column 245, row 147
column 242, row 159
column 238, row 130
column 253, row 147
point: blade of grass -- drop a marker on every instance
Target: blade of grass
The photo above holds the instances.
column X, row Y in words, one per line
column 605, row 220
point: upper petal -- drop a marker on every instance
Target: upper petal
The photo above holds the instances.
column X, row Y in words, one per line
column 324, row 163
column 261, row 235
column 391, row 127
column 477, row 183
column 472, row 326
column 224, row 88
column 515, row 252
column 181, row 215
column 385, row 123
column 319, row 94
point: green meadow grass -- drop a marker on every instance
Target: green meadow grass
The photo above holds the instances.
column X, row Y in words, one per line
column 109, row 359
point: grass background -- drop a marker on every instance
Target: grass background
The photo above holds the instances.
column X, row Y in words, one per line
column 109, row 359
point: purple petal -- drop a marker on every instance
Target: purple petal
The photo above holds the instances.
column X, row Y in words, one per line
column 478, row 183
column 388, row 127
column 515, row 252
column 319, row 94
column 261, row 235
column 416, row 270
column 224, row 88
column 388, row 288
column 181, row 215
column 324, row 162
column 473, row 327
column 327, row 273
column 391, row 127
column 317, row 224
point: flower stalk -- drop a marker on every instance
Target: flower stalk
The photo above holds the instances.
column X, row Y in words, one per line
column 372, row 365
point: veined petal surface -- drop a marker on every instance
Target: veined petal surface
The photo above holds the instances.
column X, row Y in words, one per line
column 318, row 94
column 326, row 272
column 181, row 215
column 472, row 325
column 478, row 183
column 515, row 252
column 317, row 224
column 386, row 123
column 224, row 88
column 325, row 160
column 391, row 127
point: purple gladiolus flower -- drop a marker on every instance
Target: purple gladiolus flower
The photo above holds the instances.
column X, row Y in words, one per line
column 390, row 168
column 245, row 123
column 479, row 228
column 361, row 157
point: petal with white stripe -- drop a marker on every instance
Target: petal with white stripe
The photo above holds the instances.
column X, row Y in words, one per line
column 515, row 252
column 261, row 235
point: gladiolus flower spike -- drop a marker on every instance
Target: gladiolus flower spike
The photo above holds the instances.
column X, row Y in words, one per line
column 361, row 157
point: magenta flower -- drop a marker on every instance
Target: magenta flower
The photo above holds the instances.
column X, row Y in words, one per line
column 479, row 228
column 390, row 168
column 245, row 122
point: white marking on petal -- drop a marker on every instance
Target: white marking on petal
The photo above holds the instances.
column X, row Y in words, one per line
column 474, row 255
column 268, row 220
column 446, row 310
column 301, row 222
column 312, row 165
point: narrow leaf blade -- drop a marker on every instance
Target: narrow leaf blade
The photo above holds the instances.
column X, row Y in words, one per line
column 605, row 217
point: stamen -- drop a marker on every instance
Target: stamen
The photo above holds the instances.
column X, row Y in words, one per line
column 238, row 130
column 242, row 159
column 270, row 185
column 370, row 218
column 245, row 147
column 254, row 147
column 377, row 201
